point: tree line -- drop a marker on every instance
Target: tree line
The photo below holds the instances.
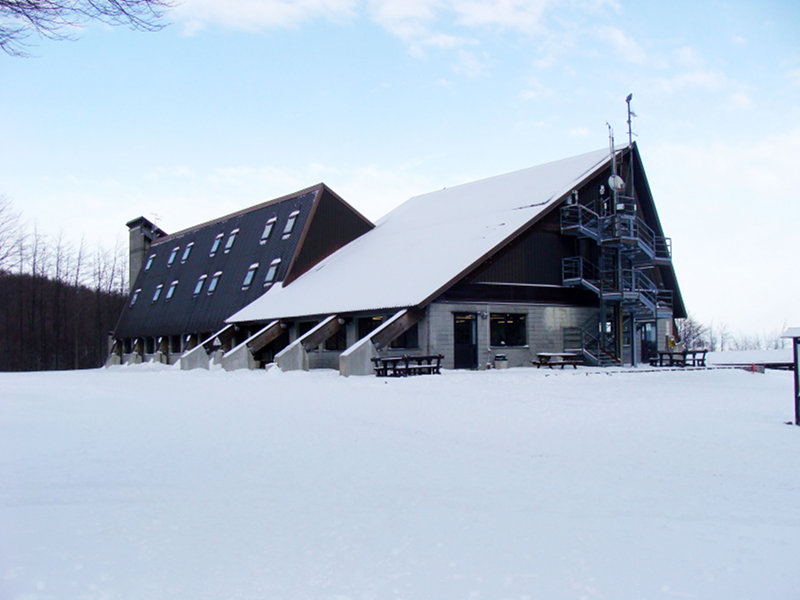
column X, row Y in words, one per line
column 58, row 300
column 719, row 338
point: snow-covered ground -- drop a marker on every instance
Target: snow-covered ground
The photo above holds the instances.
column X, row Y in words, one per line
column 150, row 483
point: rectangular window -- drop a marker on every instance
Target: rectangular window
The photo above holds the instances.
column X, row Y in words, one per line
column 367, row 324
column 338, row 341
column 157, row 293
column 507, row 329
column 267, row 230
column 198, row 287
column 407, row 339
column 215, row 245
column 231, row 240
column 212, row 285
column 172, row 256
column 248, row 277
column 187, row 252
column 171, row 290
column 150, row 260
column 135, row 296
column 290, row 223
column 272, row 271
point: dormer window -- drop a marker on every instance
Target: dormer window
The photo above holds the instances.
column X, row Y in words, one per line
column 231, row 240
column 187, row 252
column 212, row 285
column 290, row 223
column 135, row 296
column 272, row 272
column 157, row 293
column 172, row 255
column 171, row 290
column 198, row 287
column 215, row 245
column 150, row 260
column 267, row 230
column 248, row 278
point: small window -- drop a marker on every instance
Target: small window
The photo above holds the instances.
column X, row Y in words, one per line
column 135, row 296
column 198, row 287
column 272, row 271
column 172, row 255
column 150, row 260
column 248, row 277
column 231, row 240
column 290, row 222
column 212, row 285
column 171, row 290
column 187, row 252
column 215, row 245
column 267, row 230
column 157, row 293
column 507, row 329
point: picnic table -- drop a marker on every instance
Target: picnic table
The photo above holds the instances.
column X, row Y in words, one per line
column 408, row 364
column 679, row 358
column 554, row 359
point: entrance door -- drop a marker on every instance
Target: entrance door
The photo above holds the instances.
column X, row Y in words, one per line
column 465, row 336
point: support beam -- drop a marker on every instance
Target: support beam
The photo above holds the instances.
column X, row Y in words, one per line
column 243, row 355
column 295, row 356
column 198, row 357
column 357, row 359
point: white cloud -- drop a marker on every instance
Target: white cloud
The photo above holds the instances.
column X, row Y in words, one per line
column 625, row 46
column 253, row 15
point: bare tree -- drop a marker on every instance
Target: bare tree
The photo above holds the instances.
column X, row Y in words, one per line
column 9, row 233
column 693, row 334
column 54, row 18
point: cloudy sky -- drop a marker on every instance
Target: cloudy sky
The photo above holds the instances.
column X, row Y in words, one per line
column 240, row 101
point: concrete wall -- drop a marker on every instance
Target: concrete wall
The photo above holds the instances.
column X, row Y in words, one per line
column 544, row 325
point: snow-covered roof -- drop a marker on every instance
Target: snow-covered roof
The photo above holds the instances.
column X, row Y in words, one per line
column 792, row 332
column 417, row 249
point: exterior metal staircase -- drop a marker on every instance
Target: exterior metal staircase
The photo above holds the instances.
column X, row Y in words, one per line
column 627, row 248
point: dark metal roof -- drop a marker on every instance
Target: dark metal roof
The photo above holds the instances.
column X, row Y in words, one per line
column 186, row 312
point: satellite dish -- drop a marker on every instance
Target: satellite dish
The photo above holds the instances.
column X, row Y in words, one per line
column 616, row 183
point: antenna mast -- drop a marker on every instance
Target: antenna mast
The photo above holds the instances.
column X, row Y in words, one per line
column 630, row 114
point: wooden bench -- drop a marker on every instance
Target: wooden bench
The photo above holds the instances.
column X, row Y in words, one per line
column 408, row 364
column 556, row 359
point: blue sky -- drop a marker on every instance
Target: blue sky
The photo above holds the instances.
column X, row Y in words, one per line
column 237, row 102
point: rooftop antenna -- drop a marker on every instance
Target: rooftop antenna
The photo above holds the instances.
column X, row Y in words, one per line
column 630, row 114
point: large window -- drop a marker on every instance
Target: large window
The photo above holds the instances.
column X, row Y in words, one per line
column 407, row 339
column 507, row 329
column 367, row 325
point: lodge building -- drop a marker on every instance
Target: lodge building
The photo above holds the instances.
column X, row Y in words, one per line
column 566, row 256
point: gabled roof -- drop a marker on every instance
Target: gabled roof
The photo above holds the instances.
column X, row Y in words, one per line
column 416, row 251
column 309, row 241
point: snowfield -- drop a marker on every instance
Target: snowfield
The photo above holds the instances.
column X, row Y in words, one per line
column 152, row 483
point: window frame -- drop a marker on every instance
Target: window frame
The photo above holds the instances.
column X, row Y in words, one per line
column 272, row 272
column 250, row 276
column 173, row 255
column 503, row 337
column 230, row 241
column 135, row 296
column 186, row 252
column 267, row 232
column 214, row 282
column 215, row 244
column 149, row 262
column 171, row 291
column 291, row 221
column 198, row 287
column 157, row 293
